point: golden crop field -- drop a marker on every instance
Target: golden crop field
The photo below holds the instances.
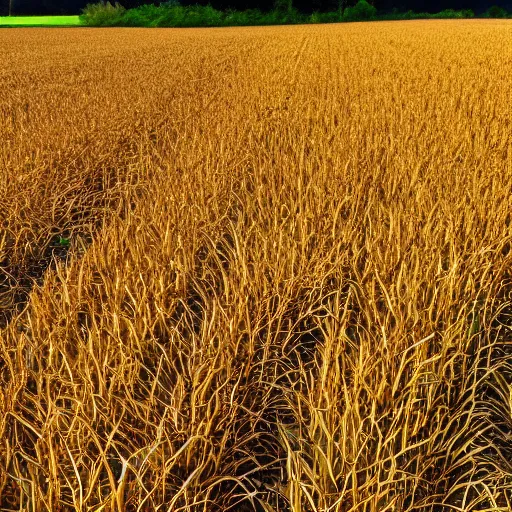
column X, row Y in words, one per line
column 256, row 269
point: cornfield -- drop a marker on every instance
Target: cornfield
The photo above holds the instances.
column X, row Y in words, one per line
column 256, row 269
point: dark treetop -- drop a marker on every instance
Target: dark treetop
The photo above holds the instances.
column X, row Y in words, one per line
column 74, row 6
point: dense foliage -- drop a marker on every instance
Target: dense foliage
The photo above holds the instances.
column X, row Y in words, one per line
column 303, row 6
column 496, row 12
column 175, row 15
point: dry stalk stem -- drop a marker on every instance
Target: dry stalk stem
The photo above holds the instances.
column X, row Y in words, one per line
column 262, row 269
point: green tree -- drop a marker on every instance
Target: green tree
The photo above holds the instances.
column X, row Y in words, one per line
column 362, row 11
column 283, row 6
column 496, row 12
column 342, row 5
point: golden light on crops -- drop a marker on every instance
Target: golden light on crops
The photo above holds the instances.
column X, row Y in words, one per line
column 256, row 268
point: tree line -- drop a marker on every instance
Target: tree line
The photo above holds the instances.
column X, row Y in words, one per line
column 35, row 7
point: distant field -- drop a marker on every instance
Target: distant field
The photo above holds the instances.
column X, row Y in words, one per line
column 256, row 269
column 38, row 21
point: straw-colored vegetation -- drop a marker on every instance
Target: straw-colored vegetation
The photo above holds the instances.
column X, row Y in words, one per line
column 256, row 269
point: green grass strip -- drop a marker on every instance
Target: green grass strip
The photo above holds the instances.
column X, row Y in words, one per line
column 39, row 21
